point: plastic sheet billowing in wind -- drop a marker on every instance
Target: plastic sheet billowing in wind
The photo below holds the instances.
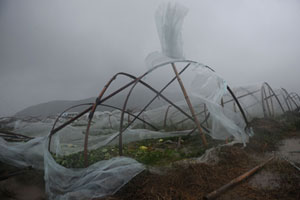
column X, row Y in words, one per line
column 169, row 19
column 98, row 180
column 206, row 88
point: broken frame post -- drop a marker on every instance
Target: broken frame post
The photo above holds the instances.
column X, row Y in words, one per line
column 188, row 101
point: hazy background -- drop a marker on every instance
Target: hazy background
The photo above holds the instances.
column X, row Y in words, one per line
column 67, row 50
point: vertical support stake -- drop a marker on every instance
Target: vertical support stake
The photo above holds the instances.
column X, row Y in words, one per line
column 188, row 101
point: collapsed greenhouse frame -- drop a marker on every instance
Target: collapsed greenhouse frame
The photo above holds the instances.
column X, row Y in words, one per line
column 267, row 95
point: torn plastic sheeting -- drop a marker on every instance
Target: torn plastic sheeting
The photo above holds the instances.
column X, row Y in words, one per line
column 20, row 154
column 169, row 19
column 100, row 179
column 209, row 88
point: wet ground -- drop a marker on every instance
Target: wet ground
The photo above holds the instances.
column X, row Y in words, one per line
column 290, row 149
column 27, row 185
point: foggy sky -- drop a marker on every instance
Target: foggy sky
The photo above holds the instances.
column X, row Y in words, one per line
column 68, row 50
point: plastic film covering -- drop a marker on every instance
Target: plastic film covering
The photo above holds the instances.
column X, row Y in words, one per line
column 100, row 179
column 169, row 19
column 209, row 88
column 204, row 87
column 20, row 154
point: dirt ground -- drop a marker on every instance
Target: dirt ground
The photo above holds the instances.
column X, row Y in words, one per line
column 276, row 180
column 27, row 185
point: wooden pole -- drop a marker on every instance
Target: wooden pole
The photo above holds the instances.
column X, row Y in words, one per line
column 235, row 181
column 188, row 101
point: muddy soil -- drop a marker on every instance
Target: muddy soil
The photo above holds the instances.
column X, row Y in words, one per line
column 27, row 185
column 277, row 180
column 290, row 149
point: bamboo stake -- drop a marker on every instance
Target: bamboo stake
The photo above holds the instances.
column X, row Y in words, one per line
column 235, row 181
column 188, row 101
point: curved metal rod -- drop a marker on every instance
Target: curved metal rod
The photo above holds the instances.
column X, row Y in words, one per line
column 134, row 82
column 90, row 108
column 59, row 116
column 294, row 95
column 161, row 95
column 239, row 106
column 289, row 97
column 138, row 80
column 271, row 99
column 245, row 95
column 286, row 100
column 91, row 117
column 263, row 99
column 85, row 104
column 275, row 95
column 157, row 95
column 179, row 61
column 235, row 99
column 122, row 114
column 298, row 97
column 133, row 115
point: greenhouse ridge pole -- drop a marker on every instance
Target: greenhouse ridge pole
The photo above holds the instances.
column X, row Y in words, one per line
column 188, row 101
